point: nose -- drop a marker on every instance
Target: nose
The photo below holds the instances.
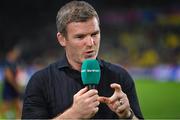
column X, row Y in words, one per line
column 90, row 41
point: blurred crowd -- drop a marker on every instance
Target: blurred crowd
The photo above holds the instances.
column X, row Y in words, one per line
column 146, row 41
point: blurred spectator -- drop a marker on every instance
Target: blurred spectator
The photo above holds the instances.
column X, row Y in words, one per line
column 149, row 58
column 10, row 91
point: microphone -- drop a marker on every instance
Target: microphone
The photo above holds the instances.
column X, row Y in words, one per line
column 90, row 73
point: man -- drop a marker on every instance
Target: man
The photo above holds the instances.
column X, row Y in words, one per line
column 11, row 90
column 57, row 91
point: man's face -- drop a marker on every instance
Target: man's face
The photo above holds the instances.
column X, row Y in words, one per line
column 82, row 41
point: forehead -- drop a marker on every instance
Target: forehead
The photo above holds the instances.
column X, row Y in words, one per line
column 85, row 27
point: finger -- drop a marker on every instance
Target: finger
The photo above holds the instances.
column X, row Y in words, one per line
column 104, row 100
column 92, row 98
column 95, row 104
column 124, row 106
column 116, row 86
column 82, row 91
column 96, row 109
column 90, row 93
column 117, row 92
column 116, row 105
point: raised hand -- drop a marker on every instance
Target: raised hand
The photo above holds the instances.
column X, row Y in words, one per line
column 118, row 102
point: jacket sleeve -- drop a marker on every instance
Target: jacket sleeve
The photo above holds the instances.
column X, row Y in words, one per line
column 35, row 104
column 130, row 90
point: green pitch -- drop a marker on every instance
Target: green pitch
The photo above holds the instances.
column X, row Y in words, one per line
column 159, row 100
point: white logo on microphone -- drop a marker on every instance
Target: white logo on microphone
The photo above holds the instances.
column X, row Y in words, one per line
column 93, row 70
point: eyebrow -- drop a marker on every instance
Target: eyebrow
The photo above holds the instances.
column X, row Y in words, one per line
column 96, row 32
column 81, row 34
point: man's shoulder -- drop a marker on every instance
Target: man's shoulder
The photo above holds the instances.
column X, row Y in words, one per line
column 41, row 78
column 117, row 68
column 44, row 72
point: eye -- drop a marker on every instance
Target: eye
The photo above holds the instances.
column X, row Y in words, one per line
column 94, row 34
column 80, row 37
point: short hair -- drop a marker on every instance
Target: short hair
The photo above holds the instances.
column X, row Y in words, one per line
column 74, row 11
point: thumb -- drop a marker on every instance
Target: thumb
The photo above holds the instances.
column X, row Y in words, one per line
column 116, row 87
column 117, row 90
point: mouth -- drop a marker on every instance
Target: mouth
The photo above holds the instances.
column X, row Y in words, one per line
column 89, row 53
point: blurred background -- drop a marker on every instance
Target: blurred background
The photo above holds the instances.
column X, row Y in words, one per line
column 143, row 36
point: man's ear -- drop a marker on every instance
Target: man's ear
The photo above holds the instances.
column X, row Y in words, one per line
column 61, row 39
